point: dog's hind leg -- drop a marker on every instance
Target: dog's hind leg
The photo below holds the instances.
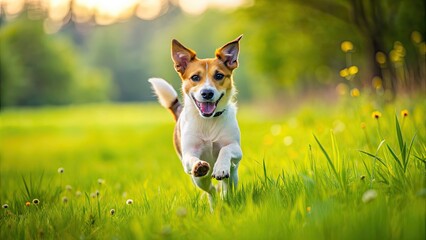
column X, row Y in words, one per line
column 205, row 183
column 230, row 184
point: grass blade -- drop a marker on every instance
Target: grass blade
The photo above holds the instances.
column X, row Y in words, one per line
column 409, row 153
column 399, row 134
column 330, row 162
column 383, row 178
column 264, row 172
column 87, row 197
column 403, row 155
column 374, row 163
column 366, row 168
column 380, row 145
column 336, row 153
column 420, row 159
column 26, row 188
column 99, row 207
column 394, row 156
column 374, row 157
column 40, row 180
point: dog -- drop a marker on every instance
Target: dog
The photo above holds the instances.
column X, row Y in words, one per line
column 206, row 136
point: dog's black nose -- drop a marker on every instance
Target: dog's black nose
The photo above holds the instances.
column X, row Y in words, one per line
column 207, row 94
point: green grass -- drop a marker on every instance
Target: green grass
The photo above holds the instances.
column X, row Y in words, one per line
column 303, row 174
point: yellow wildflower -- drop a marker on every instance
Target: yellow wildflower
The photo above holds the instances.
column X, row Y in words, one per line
column 353, row 70
column 344, row 72
column 399, row 48
column 346, row 46
column 377, row 82
column 376, row 114
column 355, row 92
column 381, row 58
column 416, row 37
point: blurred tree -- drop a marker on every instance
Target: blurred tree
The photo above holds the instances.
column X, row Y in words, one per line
column 378, row 23
column 289, row 51
column 38, row 69
column 117, row 48
column 125, row 49
column 288, row 46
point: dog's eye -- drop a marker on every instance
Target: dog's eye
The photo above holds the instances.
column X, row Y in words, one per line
column 195, row 78
column 218, row 76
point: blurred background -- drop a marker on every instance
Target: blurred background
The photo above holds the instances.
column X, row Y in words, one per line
column 59, row 52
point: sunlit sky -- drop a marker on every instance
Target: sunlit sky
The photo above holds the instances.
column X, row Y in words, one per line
column 109, row 11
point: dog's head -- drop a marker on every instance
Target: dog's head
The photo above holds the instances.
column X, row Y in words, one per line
column 207, row 82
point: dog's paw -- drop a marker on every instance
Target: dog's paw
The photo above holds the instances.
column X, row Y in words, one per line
column 220, row 172
column 200, row 169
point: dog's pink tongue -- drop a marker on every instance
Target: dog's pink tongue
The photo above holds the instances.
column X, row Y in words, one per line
column 207, row 107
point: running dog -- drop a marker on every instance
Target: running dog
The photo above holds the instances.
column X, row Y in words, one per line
column 206, row 135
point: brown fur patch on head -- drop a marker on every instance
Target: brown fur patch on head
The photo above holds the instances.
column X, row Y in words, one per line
column 206, row 70
column 188, row 66
column 187, row 63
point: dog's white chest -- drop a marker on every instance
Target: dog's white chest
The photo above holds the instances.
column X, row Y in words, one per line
column 208, row 136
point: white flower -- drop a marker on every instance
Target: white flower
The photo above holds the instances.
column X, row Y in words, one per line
column 288, row 140
column 129, row 201
column 112, row 211
column 5, row 206
column 101, row 181
column 68, row 187
column 369, row 196
column 60, row 170
column 64, row 199
column 36, row 201
column 181, row 212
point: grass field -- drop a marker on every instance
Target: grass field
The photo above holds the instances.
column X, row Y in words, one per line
column 320, row 171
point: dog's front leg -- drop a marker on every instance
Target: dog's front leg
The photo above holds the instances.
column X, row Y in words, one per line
column 198, row 170
column 194, row 166
column 192, row 148
column 227, row 163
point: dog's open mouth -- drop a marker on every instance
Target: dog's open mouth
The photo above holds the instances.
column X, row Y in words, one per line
column 207, row 108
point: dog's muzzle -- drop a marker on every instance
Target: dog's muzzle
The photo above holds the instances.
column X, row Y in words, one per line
column 207, row 108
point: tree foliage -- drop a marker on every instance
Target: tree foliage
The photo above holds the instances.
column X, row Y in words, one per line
column 287, row 46
column 37, row 69
column 374, row 25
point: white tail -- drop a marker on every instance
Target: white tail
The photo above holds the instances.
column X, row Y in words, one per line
column 166, row 94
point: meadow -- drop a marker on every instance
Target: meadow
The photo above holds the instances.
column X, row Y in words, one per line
column 352, row 169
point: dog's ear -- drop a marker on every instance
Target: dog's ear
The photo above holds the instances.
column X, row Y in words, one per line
column 181, row 56
column 228, row 54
